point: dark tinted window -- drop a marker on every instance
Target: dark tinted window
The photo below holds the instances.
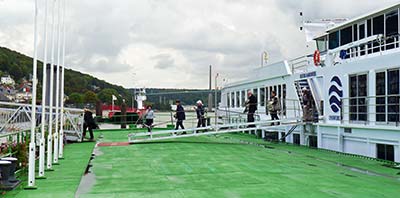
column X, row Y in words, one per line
column 385, row 152
column 346, row 36
column 380, row 83
column 334, row 40
column 232, row 99
column 393, row 98
column 243, row 97
column 392, row 23
column 262, row 96
column 380, row 97
column 313, row 141
column 237, row 99
column 355, row 33
column 296, row 139
column 369, row 27
column 362, row 31
column 362, row 101
column 378, row 24
column 358, row 93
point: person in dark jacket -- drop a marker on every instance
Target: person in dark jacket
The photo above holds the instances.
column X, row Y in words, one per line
column 274, row 106
column 251, row 106
column 307, row 105
column 88, row 124
column 179, row 115
column 201, row 121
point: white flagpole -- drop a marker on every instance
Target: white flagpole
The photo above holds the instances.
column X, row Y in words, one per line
column 50, row 135
column 31, row 170
column 61, row 138
column 44, row 87
column 55, row 156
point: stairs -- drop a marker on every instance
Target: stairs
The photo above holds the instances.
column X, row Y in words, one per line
column 300, row 85
column 311, row 85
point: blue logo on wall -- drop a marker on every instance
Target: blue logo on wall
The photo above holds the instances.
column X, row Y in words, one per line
column 335, row 94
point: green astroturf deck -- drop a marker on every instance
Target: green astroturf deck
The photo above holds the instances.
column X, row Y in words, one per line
column 215, row 166
column 225, row 166
column 64, row 180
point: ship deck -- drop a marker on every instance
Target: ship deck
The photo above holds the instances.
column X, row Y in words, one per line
column 231, row 165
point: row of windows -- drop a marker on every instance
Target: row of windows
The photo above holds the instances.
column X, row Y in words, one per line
column 386, row 24
column 237, row 99
column 387, row 96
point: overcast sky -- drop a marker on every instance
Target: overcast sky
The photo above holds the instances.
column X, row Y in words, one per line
column 171, row 43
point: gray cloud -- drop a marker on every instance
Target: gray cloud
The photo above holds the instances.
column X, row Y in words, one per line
column 169, row 38
column 164, row 61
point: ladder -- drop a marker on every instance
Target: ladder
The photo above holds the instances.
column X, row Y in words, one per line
column 210, row 130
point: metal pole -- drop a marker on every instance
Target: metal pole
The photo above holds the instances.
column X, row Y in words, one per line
column 31, row 169
column 50, row 135
column 216, row 100
column 61, row 138
column 209, row 94
column 55, row 156
column 44, row 87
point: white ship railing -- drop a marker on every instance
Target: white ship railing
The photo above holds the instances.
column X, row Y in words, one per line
column 300, row 64
column 373, row 45
column 16, row 117
column 366, row 112
column 291, row 110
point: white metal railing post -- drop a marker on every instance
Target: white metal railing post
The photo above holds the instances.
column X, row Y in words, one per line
column 50, row 135
column 32, row 146
column 44, row 87
column 61, row 138
column 56, row 131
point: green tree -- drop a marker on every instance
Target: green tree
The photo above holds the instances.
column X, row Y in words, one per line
column 90, row 97
column 75, row 98
column 105, row 95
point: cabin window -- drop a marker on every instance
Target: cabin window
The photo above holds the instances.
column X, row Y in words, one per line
column 378, row 28
column 280, row 91
column 385, row 152
column 243, row 97
column 393, row 95
column 284, row 99
column 296, row 139
column 228, row 101
column 378, row 25
column 369, row 27
column 334, row 40
column 369, row 33
column 380, row 97
column 270, row 91
column 321, row 44
column 266, row 98
column 237, row 99
column 358, row 97
column 262, row 97
column 255, row 92
column 355, row 33
column 232, row 99
column 346, row 36
column 392, row 28
column 361, row 35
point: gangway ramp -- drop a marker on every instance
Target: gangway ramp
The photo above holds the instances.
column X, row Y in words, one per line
column 213, row 130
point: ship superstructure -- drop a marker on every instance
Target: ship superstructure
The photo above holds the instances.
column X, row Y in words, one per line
column 354, row 81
